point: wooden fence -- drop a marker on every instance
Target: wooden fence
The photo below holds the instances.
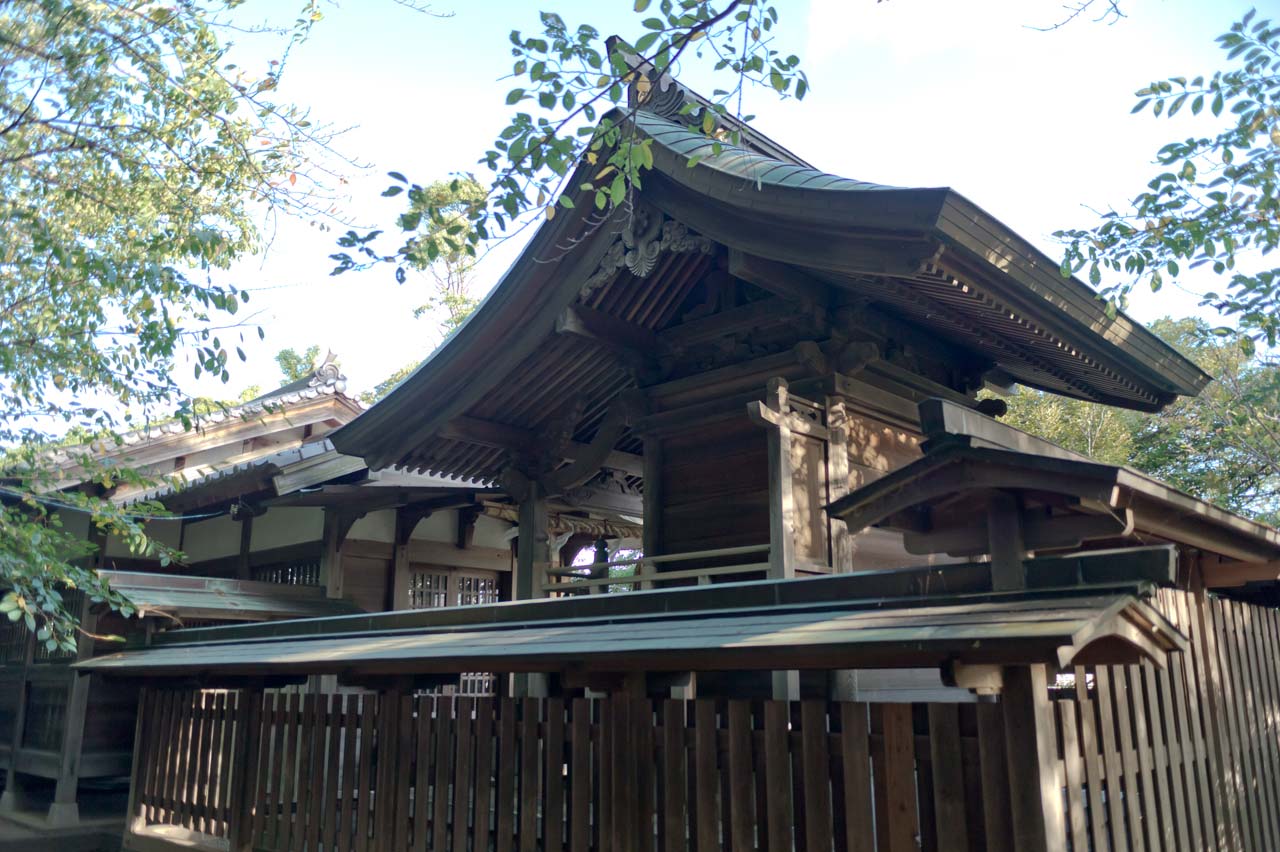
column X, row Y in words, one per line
column 1181, row 758
column 504, row 774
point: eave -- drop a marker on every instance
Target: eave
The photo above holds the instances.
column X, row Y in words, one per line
column 910, row 248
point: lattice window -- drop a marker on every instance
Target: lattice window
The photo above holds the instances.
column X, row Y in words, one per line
column 13, row 641
column 428, row 589
column 45, row 717
column 289, row 573
column 477, row 590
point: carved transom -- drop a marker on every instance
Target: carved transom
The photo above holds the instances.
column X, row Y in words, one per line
column 647, row 234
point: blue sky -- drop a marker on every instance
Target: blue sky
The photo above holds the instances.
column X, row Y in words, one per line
column 1033, row 126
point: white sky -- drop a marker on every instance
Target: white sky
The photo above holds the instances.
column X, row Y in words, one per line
column 1033, row 126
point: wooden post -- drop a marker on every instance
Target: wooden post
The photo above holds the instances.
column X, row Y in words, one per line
column 652, row 530
column 336, row 526
column 400, row 566
column 782, row 562
column 1031, row 751
column 533, row 553
column 65, row 811
column 533, row 547
column 246, row 547
column 10, row 800
column 1004, row 539
column 244, row 770
column 133, row 820
column 838, row 484
column 781, row 500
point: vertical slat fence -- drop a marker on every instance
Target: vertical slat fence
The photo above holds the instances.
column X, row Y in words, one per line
column 1173, row 758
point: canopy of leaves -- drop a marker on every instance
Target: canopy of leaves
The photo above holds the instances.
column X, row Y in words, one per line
column 569, row 103
column 294, row 364
column 384, row 387
column 1216, row 198
column 135, row 161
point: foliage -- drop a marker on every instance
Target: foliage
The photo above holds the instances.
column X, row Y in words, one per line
column 296, row 365
column 1098, row 431
column 1215, row 199
column 438, row 245
column 135, row 161
column 570, row 105
column 385, row 386
column 1222, row 446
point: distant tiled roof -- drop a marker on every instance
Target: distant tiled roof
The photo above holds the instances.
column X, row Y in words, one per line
column 276, row 460
column 326, row 379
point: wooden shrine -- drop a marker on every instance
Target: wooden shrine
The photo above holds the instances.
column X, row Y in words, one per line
column 777, row 371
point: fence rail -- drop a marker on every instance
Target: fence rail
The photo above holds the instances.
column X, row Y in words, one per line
column 651, row 572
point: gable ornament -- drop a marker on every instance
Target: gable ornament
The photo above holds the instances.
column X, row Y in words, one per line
column 646, row 235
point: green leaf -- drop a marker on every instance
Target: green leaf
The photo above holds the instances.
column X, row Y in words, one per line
column 514, row 96
column 641, row 5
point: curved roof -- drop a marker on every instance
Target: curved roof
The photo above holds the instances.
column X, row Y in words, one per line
column 927, row 255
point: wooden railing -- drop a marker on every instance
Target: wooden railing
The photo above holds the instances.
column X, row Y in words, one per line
column 653, row 572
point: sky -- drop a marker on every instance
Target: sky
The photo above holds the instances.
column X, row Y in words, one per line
column 1033, row 126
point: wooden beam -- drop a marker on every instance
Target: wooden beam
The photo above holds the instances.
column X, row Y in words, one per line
column 1038, row 533
column 589, row 460
column 604, row 501
column 1222, row 573
column 632, row 342
column 786, row 281
column 487, row 433
column 765, row 313
column 434, row 553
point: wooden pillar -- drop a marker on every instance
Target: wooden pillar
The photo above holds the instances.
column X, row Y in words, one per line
column 533, row 547
column 782, row 563
column 133, row 820
column 838, row 484
column 782, row 560
column 65, row 811
column 336, row 526
column 1031, row 752
column 405, row 522
column 244, row 770
column 533, row 555
column 1004, row 540
column 243, row 571
column 653, row 497
column 10, row 800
